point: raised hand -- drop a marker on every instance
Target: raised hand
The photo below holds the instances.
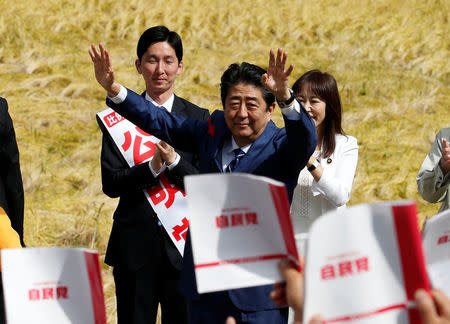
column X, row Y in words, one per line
column 104, row 72
column 445, row 159
column 276, row 80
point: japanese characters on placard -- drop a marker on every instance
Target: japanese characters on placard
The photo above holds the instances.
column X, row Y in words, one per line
column 232, row 217
column 444, row 239
column 48, row 291
column 346, row 267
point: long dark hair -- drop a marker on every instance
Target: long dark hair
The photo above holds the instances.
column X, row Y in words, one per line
column 324, row 86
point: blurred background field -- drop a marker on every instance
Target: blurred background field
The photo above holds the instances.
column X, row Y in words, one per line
column 390, row 58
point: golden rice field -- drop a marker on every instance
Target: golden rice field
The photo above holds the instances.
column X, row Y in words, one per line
column 390, row 58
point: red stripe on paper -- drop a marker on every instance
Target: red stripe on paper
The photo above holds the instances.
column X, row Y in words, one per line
column 411, row 254
column 281, row 202
column 353, row 317
column 241, row 260
column 95, row 282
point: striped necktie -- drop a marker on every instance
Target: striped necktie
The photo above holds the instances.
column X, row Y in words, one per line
column 239, row 154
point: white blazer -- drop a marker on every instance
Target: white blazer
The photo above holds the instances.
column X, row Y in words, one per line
column 335, row 185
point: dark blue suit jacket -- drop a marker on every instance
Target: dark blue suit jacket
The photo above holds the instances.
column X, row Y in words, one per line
column 277, row 153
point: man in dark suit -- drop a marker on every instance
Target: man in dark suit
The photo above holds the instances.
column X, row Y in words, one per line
column 11, row 187
column 241, row 138
column 146, row 262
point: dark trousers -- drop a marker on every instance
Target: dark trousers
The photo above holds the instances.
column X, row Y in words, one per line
column 216, row 307
column 139, row 292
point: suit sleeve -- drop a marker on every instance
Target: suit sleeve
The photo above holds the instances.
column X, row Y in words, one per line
column 431, row 182
column 182, row 133
column 336, row 186
column 119, row 179
column 300, row 143
column 12, row 197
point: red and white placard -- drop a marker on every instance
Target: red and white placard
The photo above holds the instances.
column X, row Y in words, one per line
column 240, row 229
column 363, row 265
column 167, row 200
column 436, row 244
column 53, row 286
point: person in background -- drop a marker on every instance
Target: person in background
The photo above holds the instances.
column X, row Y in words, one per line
column 9, row 239
column 146, row 263
column 326, row 181
column 433, row 179
column 11, row 187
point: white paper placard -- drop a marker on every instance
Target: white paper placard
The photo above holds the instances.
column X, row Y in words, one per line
column 240, row 229
column 52, row 286
column 363, row 265
column 436, row 244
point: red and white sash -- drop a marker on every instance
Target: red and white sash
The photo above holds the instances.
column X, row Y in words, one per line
column 166, row 199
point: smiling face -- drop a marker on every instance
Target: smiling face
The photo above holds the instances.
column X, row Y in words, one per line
column 246, row 113
column 159, row 67
column 315, row 106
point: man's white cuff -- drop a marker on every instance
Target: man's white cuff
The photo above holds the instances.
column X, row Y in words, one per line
column 293, row 111
column 174, row 163
column 156, row 173
column 121, row 96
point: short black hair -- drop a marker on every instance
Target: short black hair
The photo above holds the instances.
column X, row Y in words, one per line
column 244, row 73
column 158, row 34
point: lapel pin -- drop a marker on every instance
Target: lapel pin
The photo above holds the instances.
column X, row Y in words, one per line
column 329, row 160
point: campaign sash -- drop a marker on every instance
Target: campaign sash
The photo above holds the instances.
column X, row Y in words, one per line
column 167, row 200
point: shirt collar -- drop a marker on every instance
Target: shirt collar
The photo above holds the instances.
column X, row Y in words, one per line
column 168, row 104
column 231, row 146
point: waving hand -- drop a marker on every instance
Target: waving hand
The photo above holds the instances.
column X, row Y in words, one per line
column 276, row 80
column 104, row 72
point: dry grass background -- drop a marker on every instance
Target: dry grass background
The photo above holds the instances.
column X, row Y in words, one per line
column 390, row 58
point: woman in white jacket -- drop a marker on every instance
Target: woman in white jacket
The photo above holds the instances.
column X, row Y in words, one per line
column 326, row 181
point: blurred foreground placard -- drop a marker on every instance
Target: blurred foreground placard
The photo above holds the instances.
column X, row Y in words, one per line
column 52, row 285
column 240, row 229
column 436, row 244
column 363, row 265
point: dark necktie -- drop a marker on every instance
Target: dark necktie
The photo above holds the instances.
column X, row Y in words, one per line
column 239, row 154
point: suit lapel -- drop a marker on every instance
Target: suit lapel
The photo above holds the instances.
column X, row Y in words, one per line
column 179, row 107
column 258, row 152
